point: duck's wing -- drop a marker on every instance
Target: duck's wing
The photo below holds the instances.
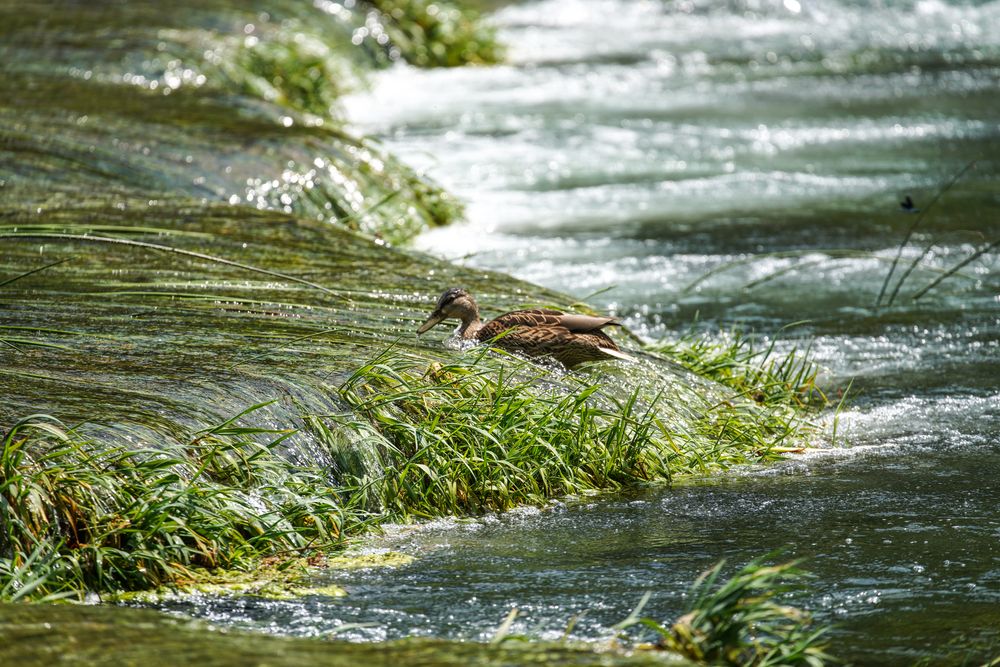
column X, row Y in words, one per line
column 543, row 318
column 532, row 319
column 585, row 323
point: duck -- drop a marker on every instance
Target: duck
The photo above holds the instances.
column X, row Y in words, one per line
column 568, row 338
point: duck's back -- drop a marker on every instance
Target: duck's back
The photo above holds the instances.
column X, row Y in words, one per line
column 569, row 338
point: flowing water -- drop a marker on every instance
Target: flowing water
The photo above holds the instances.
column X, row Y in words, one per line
column 680, row 164
column 726, row 165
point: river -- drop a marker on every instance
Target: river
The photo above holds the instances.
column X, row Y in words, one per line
column 727, row 166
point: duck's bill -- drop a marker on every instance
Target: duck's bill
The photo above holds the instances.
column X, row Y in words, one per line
column 435, row 318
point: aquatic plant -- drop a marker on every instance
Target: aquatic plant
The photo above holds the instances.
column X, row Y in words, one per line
column 476, row 433
column 78, row 515
column 908, row 206
column 736, row 360
column 739, row 622
column 473, row 436
column 483, row 433
column 236, row 104
column 428, row 33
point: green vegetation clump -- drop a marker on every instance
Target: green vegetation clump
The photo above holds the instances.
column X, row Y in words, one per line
column 429, row 33
column 739, row 622
column 473, row 436
column 292, row 69
column 230, row 102
column 305, row 60
column 79, row 515
column 480, row 434
column 736, row 362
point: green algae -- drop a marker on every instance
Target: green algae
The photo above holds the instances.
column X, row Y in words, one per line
column 360, row 561
column 193, row 340
column 287, row 583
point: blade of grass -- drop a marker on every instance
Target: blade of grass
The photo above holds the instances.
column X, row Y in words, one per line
column 178, row 251
column 909, row 232
column 953, row 270
column 33, row 271
column 504, row 628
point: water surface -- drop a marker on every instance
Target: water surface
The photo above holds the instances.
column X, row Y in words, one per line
column 741, row 165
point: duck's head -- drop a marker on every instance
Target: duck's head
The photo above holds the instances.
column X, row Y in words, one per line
column 454, row 303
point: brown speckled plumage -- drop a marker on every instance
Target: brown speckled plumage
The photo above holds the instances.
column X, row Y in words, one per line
column 568, row 338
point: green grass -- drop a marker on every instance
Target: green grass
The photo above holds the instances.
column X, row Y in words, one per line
column 429, row 33
column 78, row 515
column 479, row 433
column 739, row 622
column 737, row 361
column 473, row 436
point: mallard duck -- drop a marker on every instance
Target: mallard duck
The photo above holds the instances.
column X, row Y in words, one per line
column 568, row 338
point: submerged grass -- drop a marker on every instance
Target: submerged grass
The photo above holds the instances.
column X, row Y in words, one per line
column 233, row 101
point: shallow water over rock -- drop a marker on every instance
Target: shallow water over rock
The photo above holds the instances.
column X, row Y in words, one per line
column 736, row 165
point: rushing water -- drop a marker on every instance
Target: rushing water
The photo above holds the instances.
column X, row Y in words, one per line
column 739, row 164
column 716, row 165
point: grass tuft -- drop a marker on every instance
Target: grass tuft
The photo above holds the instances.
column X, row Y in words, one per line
column 738, row 621
column 473, row 436
column 78, row 515
column 436, row 34
column 763, row 375
column 481, row 434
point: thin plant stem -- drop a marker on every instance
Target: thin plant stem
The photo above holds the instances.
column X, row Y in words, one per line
column 40, row 268
column 910, row 268
column 913, row 227
column 953, row 270
column 171, row 249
